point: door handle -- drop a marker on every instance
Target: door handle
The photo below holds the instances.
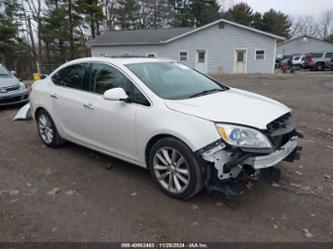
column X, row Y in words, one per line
column 54, row 96
column 89, row 106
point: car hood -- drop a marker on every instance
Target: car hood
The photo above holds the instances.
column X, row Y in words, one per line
column 6, row 82
column 232, row 106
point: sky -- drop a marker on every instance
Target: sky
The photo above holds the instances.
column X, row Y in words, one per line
column 290, row 7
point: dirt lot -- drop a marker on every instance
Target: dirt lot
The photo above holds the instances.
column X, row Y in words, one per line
column 67, row 194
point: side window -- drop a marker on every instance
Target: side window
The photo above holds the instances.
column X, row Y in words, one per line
column 72, row 76
column 329, row 55
column 138, row 97
column 183, row 56
column 105, row 77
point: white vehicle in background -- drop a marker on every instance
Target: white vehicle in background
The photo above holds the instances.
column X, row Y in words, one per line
column 298, row 60
column 189, row 130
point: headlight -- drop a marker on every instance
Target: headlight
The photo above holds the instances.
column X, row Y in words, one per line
column 3, row 90
column 22, row 86
column 242, row 136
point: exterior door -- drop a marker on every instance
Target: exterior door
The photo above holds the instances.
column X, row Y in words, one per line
column 201, row 60
column 67, row 98
column 240, row 61
column 109, row 125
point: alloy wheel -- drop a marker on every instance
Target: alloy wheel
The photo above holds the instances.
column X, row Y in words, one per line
column 171, row 170
column 45, row 128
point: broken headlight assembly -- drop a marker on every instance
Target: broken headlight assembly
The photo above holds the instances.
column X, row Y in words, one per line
column 242, row 136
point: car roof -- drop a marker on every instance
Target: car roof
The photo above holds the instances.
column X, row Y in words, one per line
column 120, row 60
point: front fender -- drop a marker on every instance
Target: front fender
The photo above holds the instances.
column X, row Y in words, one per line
column 196, row 133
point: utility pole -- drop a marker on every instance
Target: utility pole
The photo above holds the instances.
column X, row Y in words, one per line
column 33, row 43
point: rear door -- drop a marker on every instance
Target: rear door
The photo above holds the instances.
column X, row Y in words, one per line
column 67, row 96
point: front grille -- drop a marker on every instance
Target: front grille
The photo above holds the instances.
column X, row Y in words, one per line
column 12, row 88
column 281, row 130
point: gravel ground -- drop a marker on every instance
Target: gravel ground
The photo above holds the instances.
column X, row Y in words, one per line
column 67, row 194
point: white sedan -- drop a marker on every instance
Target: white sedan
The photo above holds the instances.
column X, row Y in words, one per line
column 189, row 130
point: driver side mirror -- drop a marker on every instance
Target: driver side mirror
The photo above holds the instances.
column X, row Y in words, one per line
column 13, row 73
column 116, row 94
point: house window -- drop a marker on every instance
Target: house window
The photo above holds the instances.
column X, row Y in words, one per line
column 125, row 53
column 260, row 54
column 102, row 54
column 151, row 55
column 201, row 56
column 183, row 56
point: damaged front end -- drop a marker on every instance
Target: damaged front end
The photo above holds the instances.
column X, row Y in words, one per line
column 228, row 165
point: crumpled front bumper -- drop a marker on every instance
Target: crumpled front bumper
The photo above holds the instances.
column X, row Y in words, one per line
column 260, row 162
column 227, row 166
column 229, row 162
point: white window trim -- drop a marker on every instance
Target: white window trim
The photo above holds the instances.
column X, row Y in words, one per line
column 255, row 54
column 154, row 53
column 187, row 56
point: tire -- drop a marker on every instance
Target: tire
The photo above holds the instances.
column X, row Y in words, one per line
column 47, row 130
column 171, row 158
column 320, row 67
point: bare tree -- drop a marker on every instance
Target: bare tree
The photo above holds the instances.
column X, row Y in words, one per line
column 304, row 25
column 110, row 7
column 325, row 23
column 35, row 7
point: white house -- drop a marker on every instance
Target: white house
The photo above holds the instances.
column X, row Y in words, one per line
column 303, row 45
column 218, row 47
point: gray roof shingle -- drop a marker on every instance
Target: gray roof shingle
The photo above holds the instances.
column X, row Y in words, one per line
column 153, row 36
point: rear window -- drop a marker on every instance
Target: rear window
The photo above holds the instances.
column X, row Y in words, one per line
column 72, row 76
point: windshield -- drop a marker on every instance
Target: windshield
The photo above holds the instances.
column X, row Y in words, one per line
column 171, row 80
column 4, row 72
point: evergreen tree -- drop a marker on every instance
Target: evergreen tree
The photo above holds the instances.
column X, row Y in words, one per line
column 276, row 23
column 11, row 45
column 240, row 13
column 204, row 11
column 256, row 20
column 92, row 12
column 127, row 14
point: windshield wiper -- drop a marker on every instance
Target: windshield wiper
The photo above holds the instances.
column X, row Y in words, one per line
column 205, row 92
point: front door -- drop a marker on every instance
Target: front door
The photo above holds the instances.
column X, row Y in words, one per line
column 240, row 61
column 201, row 60
column 109, row 125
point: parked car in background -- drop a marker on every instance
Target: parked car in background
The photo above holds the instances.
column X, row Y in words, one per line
column 331, row 64
column 318, row 61
column 281, row 60
column 298, row 60
column 12, row 91
column 189, row 130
